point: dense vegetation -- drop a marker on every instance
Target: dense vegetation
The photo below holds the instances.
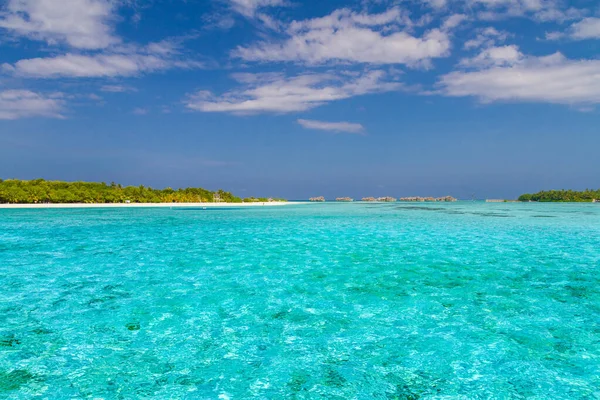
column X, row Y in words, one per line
column 41, row 191
column 563, row 196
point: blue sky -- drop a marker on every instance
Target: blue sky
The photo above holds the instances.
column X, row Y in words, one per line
column 296, row 98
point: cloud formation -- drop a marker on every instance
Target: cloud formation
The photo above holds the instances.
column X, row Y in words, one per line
column 348, row 36
column 358, row 41
column 86, row 27
column 130, row 62
column 82, row 24
column 140, row 111
column 15, row 104
column 249, row 8
column 495, row 57
column 516, row 77
column 117, row 89
column 335, row 127
column 86, row 66
column 588, row 28
column 486, row 37
column 275, row 93
column 540, row 10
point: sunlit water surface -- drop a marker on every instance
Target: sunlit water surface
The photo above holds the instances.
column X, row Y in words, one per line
column 328, row 301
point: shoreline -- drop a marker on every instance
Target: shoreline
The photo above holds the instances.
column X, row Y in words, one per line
column 140, row 205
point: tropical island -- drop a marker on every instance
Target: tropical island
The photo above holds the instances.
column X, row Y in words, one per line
column 585, row 196
column 40, row 191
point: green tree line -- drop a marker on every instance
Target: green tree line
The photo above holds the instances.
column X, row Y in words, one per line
column 562, row 196
column 42, row 191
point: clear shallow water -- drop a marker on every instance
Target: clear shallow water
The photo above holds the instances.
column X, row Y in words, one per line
column 346, row 301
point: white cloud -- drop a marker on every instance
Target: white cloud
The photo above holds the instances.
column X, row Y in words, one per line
column 554, row 35
column 249, row 8
column 117, row 89
column 515, row 4
column 164, row 47
column 262, row 93
column 218, row 21
column 551, row 79
column 437, row 4
column 454, row 20
column 130, row 62
column 486, row 37
column 85, row 66
column 345, row 17
column 495, row 57
column 541, row 10
column 140, row 111
column 336, row 127
column 589, row 28
column 348, row 36
column 558, row 15
column 83, row 24
column 15, row 104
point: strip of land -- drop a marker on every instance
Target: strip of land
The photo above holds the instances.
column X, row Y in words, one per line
column 142, row 205
column 567, row 196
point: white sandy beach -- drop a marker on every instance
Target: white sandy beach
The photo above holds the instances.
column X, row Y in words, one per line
column 142, row 205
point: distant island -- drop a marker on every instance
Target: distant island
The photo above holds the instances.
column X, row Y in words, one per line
column 585, row 196
column 40, row 191
column 388, row 199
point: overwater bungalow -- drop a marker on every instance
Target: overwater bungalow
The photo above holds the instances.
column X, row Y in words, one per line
column 429, row 199
column 446, row 198
column 387, row 199
column 346, row 199
column 370, row 199
column 317, row 199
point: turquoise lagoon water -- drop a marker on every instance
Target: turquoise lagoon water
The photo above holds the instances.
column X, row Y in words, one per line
column 327, row 301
